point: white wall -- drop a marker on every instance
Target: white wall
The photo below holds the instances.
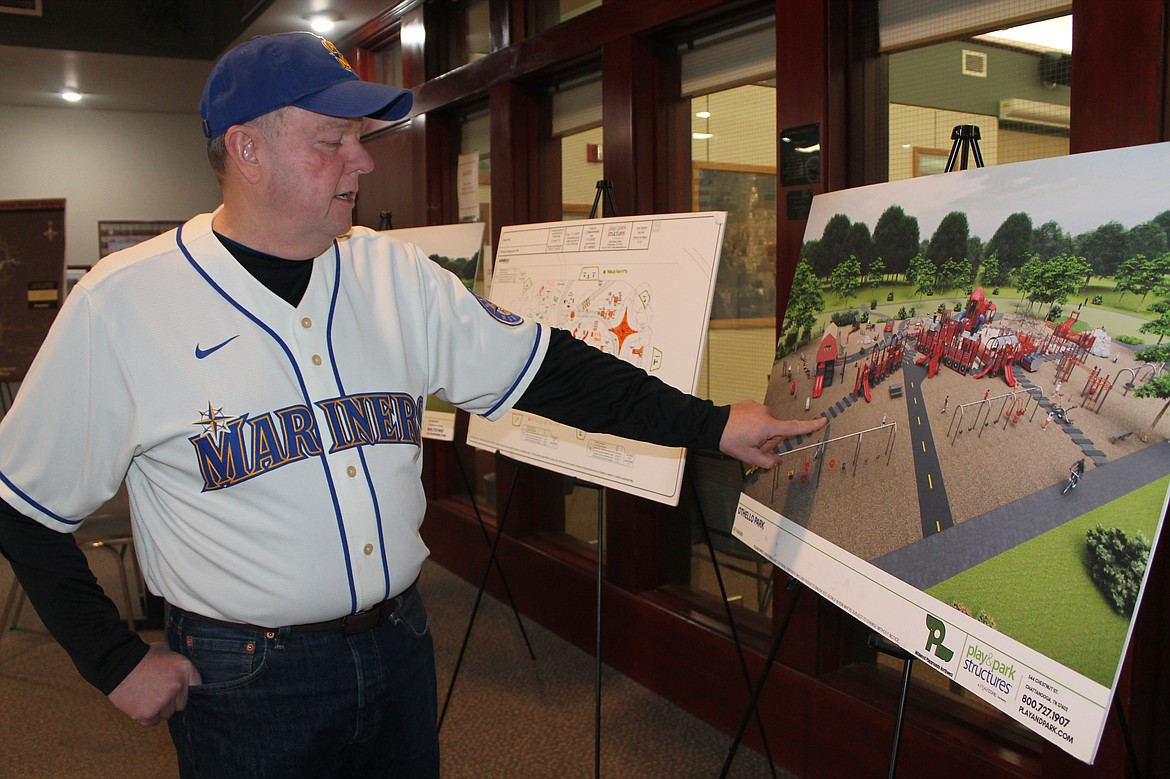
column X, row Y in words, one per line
column 107, row 165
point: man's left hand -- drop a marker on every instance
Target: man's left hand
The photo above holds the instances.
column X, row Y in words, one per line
column 752, row 433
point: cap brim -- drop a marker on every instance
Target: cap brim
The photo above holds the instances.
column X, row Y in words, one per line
column 355, row 98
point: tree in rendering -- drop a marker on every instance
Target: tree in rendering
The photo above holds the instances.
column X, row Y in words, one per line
column 895, row 239
column 833, row 246
column 1052, row 281
column 846, row 279
column 949, row 241
column 1105, row 248
column 1050, row 239
column 806, row 301
column 921, row 275
column 1012, row 242
column 1155, row 388
column 1160, row 326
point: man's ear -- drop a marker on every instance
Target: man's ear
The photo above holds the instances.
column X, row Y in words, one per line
column 242, row 145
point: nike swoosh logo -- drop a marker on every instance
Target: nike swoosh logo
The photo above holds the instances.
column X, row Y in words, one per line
column 201, row 353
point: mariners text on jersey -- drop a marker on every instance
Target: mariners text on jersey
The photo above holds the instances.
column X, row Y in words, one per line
column 234, row 449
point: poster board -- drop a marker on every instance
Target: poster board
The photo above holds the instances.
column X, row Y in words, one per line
column 32, row 273
column 457, row 248
column 985, row 576
column 637, row 287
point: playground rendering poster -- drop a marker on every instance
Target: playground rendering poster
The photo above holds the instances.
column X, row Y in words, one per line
column 979, row 414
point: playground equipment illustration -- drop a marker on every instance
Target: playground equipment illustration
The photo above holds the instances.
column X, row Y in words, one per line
column 977, row 343
column 972, row 344
column 814, row 463
column 826, row 363
column 885, row 358
column 1012, row 406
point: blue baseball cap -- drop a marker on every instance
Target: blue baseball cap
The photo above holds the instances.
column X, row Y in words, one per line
column 292, row 69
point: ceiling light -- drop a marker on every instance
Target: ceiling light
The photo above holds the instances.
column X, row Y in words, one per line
column 704, row 114
column 323, row 21
column 702, row 136
column 72, row 95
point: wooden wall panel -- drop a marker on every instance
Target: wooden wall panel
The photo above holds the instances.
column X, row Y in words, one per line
column 1118, row 74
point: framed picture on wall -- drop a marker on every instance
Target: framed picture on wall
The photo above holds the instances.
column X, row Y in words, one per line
column 32, row 258
column 117, row 235
column 745, row 288
column 927, row 162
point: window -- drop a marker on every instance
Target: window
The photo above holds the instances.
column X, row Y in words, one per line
column 1012, row 82
column 466, row 31
column 577, row 128
column 577, row 124
column 388, row 62
column 543, row 14
column 474, row 133
column 728, row 78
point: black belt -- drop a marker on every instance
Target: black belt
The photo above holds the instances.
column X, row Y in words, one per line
column 349, row 625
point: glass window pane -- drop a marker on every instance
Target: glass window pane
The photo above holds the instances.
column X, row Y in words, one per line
column 543, row 14
column 388, row 62
column 468, row 33
column 733, row 156
column 582, row 156
column 474, row 129
column 475, row 138
column 576, row 119
column 1012, row 83
column 733, row 159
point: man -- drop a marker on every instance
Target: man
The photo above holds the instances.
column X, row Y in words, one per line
column 257, row 378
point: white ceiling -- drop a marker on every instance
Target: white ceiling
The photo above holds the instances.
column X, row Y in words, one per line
column 115, row 82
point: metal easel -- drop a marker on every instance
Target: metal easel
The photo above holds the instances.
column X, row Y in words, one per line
column 604, row 188
column 493, row 561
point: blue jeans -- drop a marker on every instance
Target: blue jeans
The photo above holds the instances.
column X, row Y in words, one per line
column 288, row 705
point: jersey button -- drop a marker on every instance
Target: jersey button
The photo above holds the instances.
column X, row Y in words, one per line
column 306, row 323
column 368, row 549
column 316, row 359
column 351, row 471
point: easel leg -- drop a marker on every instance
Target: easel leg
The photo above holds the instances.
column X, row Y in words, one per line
column 479, row 595
column 495, row 560
column 731, row 624
column 597, row 640
column 1133, row 763
column 907, row 667
column 796, row 588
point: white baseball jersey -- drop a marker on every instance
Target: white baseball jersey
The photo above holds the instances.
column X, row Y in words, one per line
column 272, row 453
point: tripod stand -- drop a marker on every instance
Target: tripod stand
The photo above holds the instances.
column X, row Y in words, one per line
column 965, row 139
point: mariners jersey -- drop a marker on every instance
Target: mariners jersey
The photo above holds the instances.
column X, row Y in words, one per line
column 272, row 454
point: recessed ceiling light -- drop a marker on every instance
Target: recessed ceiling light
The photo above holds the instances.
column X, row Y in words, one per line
column 72, row 95
column 702, row 136
column 323, row 21
column 704, row 114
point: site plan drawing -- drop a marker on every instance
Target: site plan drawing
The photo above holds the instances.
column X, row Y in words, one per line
column 994, row 475
column 637, row 287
